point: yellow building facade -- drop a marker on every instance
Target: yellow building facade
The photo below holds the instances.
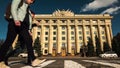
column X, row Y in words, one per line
column 64, row 29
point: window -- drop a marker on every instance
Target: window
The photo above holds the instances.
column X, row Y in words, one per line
column 46, row 33
column 46, row 44
column 63, row 45
column 46, row 38
column 39, row 27
column 54, row 27
column 103, row 32
column 87, row 32
column 38, row 33
column 103, row 37
column 63, row 32
column 72, row 21
column 80, row 32
column 47, row 27
column 95, row 32
column 79, row 27
column 54, row 38
column 54, row 33
column 54, row 45
column 80, row 38
column 54, row 21
column 63, row 38
column 63, row 27
column 72, row 27
column 72, row 32
column 63, row 21
column 39, row 20
column 46, row 21
column 88, row 38
column 72, row 38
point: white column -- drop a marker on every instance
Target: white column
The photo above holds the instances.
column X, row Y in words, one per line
column 50, row 39
column 108, row 34
column 99, row 35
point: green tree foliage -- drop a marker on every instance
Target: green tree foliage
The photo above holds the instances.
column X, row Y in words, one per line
column 37, row 46
column 90, row 46
column 116, row 44
column 106, row 47
column 98, row 47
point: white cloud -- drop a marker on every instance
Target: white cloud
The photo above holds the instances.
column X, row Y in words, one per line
column 113, row 10
column 97, row 4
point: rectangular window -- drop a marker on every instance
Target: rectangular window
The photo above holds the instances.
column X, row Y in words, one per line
column 47, row 27
column 80, row 27
column 63, row 32
column 72, row 21
column 72, row 32
column 63, row 38
column 46, row 38
column 54, row 45
column 38, row 33
column 54, row 38
column 46, row 44
column 54, row 33
column 63, row 21
column 46, row 33
column 72, row 38
column 72, row 27
column 80, row 32
column 63, row 27
column 87, row 32
column 80, row 38
column 46, row 21
column 54, row 21
column 54, row 27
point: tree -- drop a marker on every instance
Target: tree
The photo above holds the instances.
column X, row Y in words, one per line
column 106, row 47
column 90, row 46
column 37, row 46
column 116, row 44
column 1, row 42
column 98, row 47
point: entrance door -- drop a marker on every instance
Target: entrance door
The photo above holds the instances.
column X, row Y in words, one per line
column 63, row 49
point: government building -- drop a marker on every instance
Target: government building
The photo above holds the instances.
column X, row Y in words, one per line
column 63, row 31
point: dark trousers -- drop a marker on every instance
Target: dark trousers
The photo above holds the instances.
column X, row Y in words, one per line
column 11, row 34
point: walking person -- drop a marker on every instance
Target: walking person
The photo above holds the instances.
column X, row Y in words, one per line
column 19, row 23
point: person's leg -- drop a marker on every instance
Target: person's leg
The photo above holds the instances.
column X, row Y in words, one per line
column 27, row 38
column 11, row 34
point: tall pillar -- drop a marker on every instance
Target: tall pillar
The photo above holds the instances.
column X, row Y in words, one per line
column 84, row 35
column 108, row 34
column 99, row 35
column 50, row 39
column 42, row 36
column 76, row 39
column 68, row 39
column 92, row 35
column 58, row 39
column 111, row 35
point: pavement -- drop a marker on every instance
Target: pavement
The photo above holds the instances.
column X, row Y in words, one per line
column 68, row 62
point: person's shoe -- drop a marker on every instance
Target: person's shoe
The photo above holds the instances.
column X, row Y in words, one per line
column 37, row 62
column 2, row 65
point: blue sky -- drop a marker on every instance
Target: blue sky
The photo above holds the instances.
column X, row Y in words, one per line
column 77, row 6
